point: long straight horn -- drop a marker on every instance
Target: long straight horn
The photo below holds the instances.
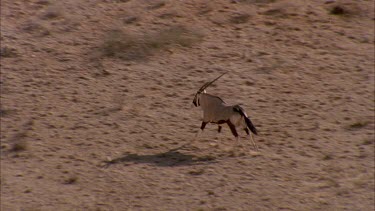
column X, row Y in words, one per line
column 209, row 83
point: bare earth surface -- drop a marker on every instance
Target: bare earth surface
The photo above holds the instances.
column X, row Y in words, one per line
column 91, row 120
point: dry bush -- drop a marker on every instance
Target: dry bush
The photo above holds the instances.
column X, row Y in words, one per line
column 130, row 47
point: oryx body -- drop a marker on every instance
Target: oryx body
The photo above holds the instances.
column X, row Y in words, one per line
column 215, row 110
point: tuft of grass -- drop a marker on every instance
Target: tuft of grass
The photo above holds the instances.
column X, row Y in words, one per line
column 6, row 112
column 157, row 5
column 130, row 19
column 7, row 52
column 347, row 9
column 19, row 146
column 210, row 192
column 257, row 1
column 36, row 29
column 71, row 180
column 43, row 2
column 177, row 35
column 52, row 12
column 118, row 44
column 196, row 172
column 357, row 125
column 240, row 18
column 327, row 157
column 338, row 10
column 282, row 10
column 367, row 142
column 207, row 158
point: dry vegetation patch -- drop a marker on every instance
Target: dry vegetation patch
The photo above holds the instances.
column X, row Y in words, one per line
column 120, row 44
column 8, row 52
column 347, row 9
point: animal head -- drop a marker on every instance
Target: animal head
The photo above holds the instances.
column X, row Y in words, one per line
column 203, row 90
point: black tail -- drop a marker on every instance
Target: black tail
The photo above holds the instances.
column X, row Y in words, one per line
column 249, row 124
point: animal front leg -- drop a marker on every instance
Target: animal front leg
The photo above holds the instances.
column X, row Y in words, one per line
column 203, row 125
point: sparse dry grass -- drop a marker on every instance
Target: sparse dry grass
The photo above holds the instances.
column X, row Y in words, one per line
column 119, row 44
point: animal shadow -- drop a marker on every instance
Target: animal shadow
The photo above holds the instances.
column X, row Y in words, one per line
column 169, row 158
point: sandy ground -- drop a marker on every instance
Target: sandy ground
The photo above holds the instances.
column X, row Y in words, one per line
column 88, row 125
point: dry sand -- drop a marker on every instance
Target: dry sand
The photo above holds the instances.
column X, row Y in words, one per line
column 91, row 119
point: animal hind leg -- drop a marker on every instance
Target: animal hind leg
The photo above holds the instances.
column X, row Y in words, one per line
column 247, row 131
column 234, row 131
column 232, row 128
column 219, row 129
column 252, row 140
